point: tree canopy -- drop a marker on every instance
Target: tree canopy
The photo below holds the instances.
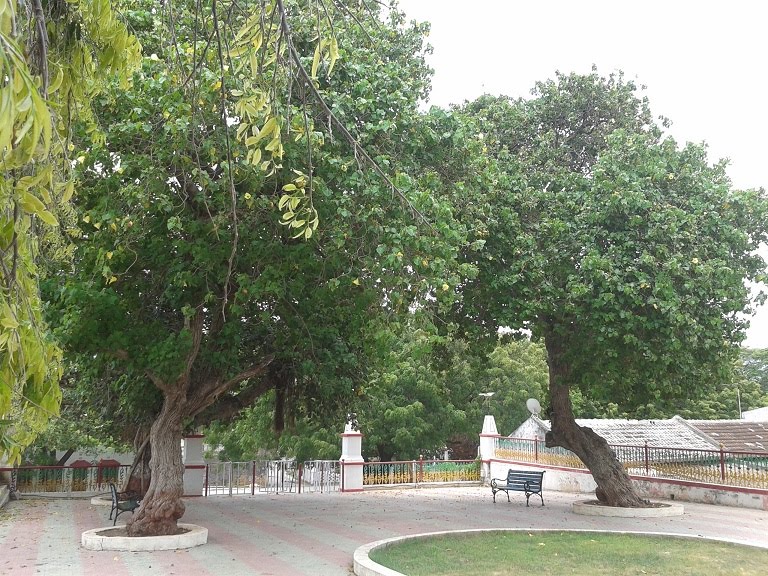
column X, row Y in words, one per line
column 227, row 253
column 624, row 252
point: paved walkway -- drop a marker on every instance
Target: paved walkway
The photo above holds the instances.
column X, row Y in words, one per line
column 314, row 534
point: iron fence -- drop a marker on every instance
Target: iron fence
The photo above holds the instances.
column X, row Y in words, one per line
column 724, row 467
column 66, row 479
column 230, row 478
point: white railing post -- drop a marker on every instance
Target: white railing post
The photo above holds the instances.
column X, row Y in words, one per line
column 488, row 438
column 352, row 459
column 194, row 465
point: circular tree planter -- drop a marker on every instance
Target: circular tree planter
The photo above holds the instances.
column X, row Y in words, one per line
column 100, row 539
column 657, row 510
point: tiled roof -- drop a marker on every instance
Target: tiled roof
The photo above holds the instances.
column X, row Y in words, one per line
column 738, row 435
column 673, row 433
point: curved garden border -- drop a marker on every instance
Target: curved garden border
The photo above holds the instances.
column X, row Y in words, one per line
column 194, row 536
column 660, row 510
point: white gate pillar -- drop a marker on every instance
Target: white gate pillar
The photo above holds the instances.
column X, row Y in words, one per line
column 488, row 446
column 351, row 459
column 194, row 465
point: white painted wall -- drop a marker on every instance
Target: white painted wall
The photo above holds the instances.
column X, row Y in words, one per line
column 93, row 455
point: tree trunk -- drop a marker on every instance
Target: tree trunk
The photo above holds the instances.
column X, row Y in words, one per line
column 614, row 486
column 162, row 507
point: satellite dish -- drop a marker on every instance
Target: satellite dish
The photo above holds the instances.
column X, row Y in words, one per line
column 533, row 406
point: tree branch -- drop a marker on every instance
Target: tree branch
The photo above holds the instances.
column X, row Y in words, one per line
column 159, row 382
column 210, row 393
column 197, row 337
column 227, row 407
column 356, row 146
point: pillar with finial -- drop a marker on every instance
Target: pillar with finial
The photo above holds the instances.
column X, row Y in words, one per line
column 487, row 439
column 352, row 456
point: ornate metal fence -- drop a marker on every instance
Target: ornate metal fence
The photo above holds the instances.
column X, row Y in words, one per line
column 230, row 478
column 420, row 471
column 66, row 479
column 731, row 468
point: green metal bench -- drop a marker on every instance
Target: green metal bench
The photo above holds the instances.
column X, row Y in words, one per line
column 122, row 502
column 528, row 481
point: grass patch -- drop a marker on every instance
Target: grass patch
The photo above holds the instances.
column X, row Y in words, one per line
column 560, row 553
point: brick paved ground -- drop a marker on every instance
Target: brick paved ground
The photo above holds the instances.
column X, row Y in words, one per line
column 314, row 534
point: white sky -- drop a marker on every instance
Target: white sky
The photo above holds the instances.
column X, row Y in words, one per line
column 704, row 63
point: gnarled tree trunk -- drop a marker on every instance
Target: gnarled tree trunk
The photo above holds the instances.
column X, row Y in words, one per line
column 162, row 506
column 614, row 486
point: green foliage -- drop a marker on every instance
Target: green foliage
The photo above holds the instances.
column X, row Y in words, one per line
column 183, row 242
column 409, row 407
column 626, row 253
column 252, row 437
column 754, row 368
column 516, row 371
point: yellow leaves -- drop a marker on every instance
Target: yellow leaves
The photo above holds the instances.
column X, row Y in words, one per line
column 316, row 60
column 329, row 46
column 333, row 54
column 31, row 204
column 297, row 208
column 8, row 319
column 24, row 115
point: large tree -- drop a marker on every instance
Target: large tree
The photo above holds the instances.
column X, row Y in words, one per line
column 625, row 253
column 192, row 291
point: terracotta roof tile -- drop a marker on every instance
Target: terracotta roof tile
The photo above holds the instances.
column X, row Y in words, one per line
column 739, row 435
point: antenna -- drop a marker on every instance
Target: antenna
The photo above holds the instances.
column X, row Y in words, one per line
column 487, row 396
column 533, row 406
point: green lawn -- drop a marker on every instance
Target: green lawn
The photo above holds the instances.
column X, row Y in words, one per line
column 560, row 553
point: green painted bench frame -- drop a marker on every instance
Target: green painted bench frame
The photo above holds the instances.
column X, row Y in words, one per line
column 122, row 502
column 528, row 481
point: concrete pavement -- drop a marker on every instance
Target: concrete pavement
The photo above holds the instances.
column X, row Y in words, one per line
column 316, row 534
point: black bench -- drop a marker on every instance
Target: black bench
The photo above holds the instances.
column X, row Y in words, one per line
column 122, row 502
column 528, row 481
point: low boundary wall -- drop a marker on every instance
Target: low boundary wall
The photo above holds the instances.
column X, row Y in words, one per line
column 581, row 481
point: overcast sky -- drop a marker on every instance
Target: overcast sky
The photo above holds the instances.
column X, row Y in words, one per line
column 704, row 65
